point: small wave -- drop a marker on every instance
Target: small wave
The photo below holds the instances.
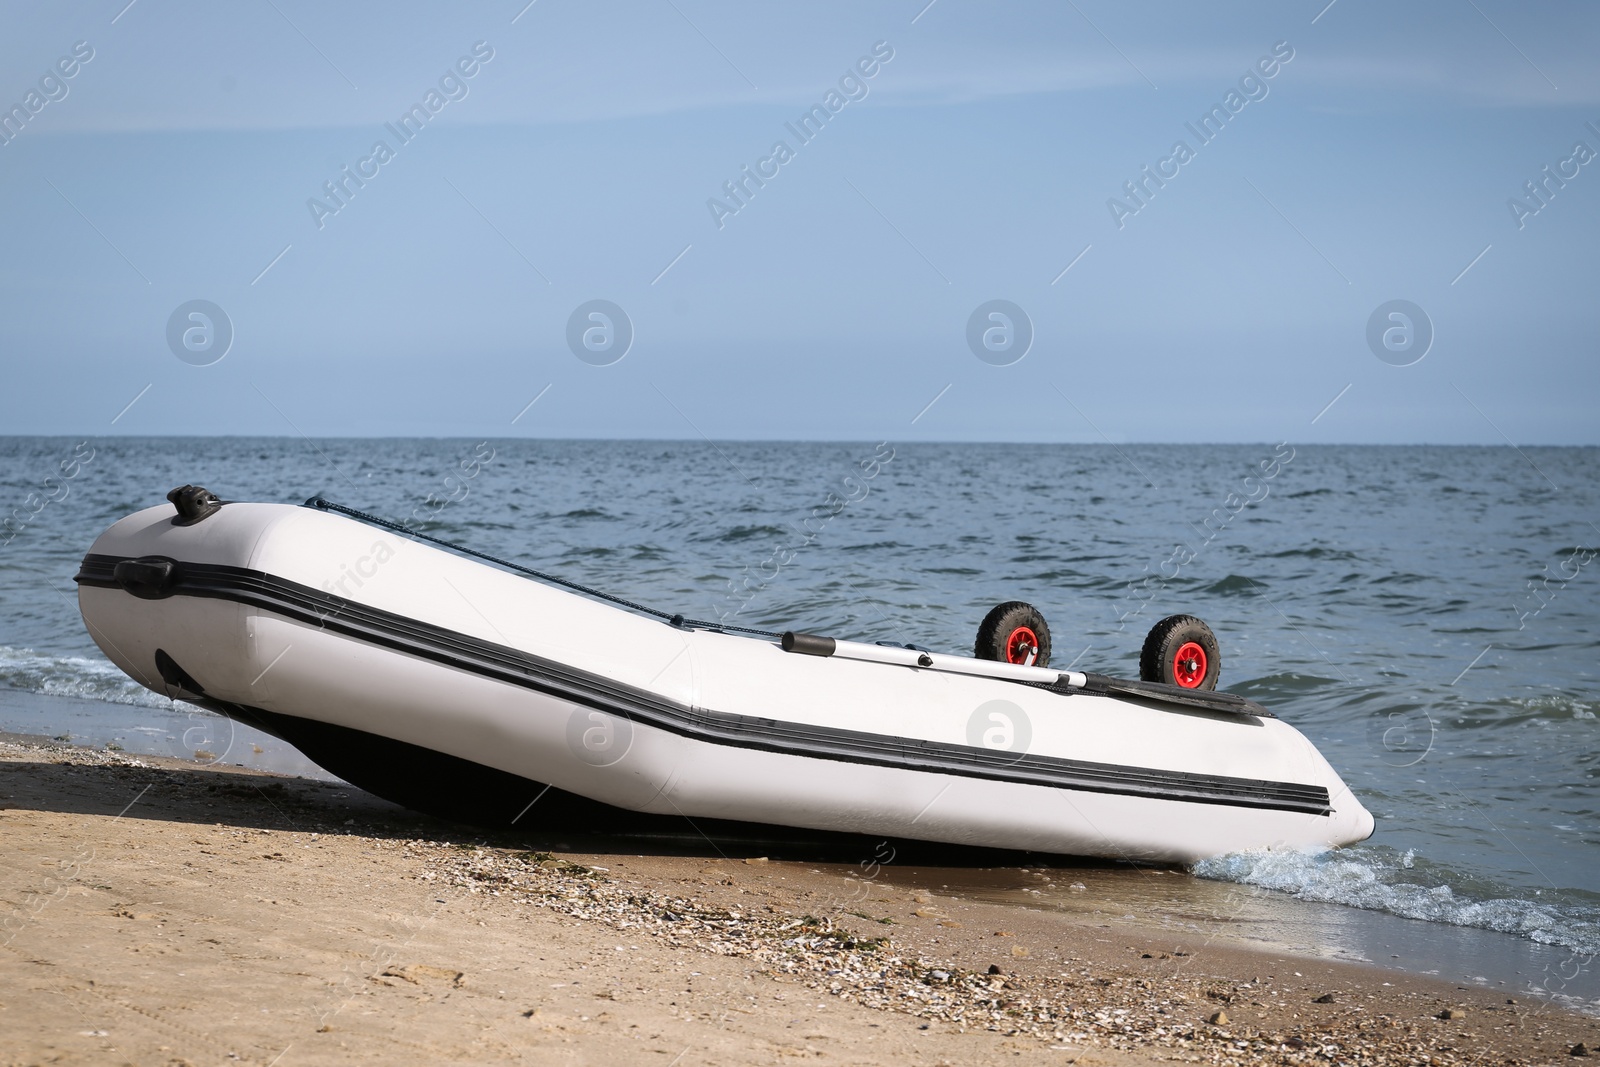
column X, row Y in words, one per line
column 1057, row 574
column 73, row 676
column 1233, row 585
column 1548, row 707
column 1281, row 685
column 1402, row 578
column 1314, row 552
column 744, row 533
column 1378, row 879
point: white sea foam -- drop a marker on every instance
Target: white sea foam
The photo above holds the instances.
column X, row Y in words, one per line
column 73, row 676
column 1379, row 881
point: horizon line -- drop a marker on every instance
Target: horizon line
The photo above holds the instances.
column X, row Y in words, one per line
column 778, row 440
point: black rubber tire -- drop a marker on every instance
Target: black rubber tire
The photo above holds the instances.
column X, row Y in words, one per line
column 994, row 633
column 1156, row 660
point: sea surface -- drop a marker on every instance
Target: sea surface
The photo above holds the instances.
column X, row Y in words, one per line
column 1428, row 616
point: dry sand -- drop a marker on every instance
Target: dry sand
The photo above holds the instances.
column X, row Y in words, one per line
column 156, row 912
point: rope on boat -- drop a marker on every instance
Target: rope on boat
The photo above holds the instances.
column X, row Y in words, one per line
column 324, row 504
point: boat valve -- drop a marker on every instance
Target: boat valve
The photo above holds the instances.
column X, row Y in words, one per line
column 194, row 503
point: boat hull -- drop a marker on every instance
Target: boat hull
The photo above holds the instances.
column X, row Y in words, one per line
column 292, row 615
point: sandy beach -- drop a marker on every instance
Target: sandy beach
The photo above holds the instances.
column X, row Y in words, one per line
column 160, row 912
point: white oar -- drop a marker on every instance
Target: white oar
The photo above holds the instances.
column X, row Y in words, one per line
column 812, row 645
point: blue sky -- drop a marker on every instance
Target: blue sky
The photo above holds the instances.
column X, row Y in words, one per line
column 577, row 160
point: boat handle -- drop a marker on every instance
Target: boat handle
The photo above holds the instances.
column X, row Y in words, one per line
column 148, row 578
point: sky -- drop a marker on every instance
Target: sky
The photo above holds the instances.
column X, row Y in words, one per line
column 949, row 250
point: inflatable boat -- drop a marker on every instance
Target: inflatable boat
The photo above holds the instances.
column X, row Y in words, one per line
column 467, row 689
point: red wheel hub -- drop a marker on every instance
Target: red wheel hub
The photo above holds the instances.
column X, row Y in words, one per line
column 1189, row 666
column 1022, row 646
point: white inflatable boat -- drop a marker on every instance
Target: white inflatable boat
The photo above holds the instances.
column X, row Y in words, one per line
column 461, row 689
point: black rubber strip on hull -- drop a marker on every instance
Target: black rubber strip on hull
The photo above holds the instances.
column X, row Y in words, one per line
column 512, row 666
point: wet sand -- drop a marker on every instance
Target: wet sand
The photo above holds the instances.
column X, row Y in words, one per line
column 156, row 911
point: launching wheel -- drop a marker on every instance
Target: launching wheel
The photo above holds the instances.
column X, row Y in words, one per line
column 1014, row 632
column 1182, row 651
